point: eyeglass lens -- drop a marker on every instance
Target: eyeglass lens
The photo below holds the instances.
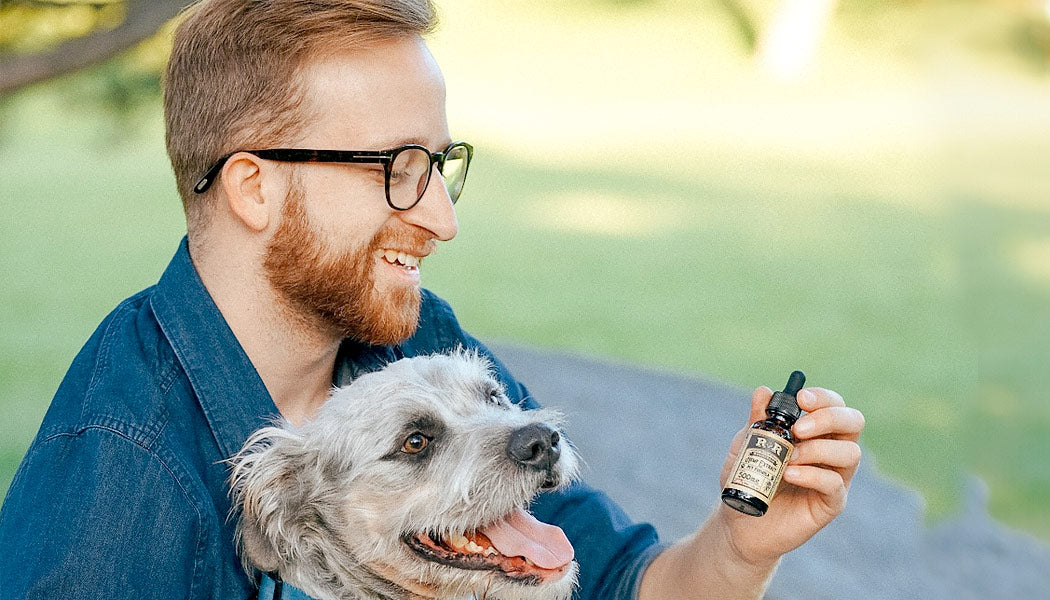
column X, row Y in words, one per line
column 411, row 170
column 455, row 170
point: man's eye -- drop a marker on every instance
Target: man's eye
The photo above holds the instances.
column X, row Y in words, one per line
column 398, row 176
column 415, row 443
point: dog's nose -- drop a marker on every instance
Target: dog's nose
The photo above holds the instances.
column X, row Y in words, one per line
column 534, row 446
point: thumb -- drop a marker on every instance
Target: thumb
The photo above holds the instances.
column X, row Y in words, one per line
column 759, row 401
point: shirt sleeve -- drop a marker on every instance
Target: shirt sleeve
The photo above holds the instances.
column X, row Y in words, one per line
column 92, row 514
column 613, row 552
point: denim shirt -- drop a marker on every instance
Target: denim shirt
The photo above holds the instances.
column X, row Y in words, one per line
column 123, row 492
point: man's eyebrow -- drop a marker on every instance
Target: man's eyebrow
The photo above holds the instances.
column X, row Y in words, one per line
column 418, row 141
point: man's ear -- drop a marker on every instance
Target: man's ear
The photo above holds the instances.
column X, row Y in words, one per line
column 252, row 203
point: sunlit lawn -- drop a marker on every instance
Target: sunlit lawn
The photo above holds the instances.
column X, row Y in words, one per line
column 682, row 217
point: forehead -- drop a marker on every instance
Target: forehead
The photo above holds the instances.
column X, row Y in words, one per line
column 387, row 94
column 440, row 385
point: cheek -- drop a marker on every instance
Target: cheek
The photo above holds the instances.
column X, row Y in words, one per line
column 346, row 213
column 366, row 512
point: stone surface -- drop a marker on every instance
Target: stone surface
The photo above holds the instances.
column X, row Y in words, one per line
column 655, row 442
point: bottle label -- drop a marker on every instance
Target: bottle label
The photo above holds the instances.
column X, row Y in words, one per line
column 761, row 464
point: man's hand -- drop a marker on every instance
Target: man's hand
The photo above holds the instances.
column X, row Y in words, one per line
column 816, row 480
column 733, row 555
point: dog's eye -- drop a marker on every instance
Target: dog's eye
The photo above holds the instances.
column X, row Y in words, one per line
column 495, row 396
column 415, row 443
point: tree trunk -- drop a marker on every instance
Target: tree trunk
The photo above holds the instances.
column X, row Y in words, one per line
column 144, row 18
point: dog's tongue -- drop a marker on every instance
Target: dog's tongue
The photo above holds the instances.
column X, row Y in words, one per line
column 520, row 534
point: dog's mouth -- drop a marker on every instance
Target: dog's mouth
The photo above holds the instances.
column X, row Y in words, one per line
column 518, row 546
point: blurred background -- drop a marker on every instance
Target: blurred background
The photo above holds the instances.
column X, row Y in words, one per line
column 730, row 189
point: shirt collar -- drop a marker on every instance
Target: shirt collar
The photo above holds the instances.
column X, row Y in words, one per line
column 229, row 390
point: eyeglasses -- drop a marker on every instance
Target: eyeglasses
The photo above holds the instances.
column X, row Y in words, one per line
column 406, row 169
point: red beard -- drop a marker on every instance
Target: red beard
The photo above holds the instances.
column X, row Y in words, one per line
column 338, row 293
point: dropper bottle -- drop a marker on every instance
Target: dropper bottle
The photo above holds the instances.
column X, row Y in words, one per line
column 756, row 475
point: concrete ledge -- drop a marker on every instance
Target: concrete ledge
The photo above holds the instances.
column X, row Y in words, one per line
column 655, row 443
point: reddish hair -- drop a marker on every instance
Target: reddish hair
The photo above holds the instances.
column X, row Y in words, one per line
column 233, row 77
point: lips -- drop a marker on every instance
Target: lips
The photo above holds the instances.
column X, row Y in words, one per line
column 517, row 546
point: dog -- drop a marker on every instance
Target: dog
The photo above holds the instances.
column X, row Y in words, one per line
column 411, row 482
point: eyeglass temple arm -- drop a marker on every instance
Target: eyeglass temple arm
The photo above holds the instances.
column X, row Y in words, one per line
column 294, row 155
column 213, row 173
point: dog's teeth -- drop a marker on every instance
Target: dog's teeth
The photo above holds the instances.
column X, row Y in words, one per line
column 474, row 547
column 490, row 551
column 458, row 541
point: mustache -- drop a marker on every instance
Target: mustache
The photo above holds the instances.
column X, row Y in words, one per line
column 409, row 240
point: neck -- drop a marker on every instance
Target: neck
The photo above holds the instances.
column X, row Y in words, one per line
column 294, row 358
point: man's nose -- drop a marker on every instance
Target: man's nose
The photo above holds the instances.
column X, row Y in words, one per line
column 434, row 211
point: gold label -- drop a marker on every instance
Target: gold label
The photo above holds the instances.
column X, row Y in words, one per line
column 760, row 465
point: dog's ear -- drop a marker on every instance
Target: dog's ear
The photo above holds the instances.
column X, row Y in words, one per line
column 271, row 484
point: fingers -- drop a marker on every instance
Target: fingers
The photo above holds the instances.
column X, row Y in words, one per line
column 827, row 415
column 811, row 399
column 835, row 421
column 841, row 422
column 836, row 454
column 824, row 481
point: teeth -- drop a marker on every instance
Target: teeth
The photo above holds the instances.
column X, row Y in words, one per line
column 402, row 258
column 407, row 259
column 464, row 544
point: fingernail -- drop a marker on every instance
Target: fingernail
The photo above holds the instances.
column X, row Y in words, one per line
column 807, row 397
column 792, row 472
column 803, row 428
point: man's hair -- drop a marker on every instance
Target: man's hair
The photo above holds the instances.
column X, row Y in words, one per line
column 233, row 79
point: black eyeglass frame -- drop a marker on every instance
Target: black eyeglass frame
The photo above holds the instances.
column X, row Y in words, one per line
column 384, row 157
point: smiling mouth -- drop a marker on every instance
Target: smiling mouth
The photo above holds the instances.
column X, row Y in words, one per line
column 520, row 548
column 399, row 258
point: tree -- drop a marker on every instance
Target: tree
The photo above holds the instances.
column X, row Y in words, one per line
column 141, row 19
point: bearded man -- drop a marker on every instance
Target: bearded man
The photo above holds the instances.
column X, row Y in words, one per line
column 311, row 150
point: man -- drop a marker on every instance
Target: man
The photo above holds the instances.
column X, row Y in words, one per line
column 300, row 268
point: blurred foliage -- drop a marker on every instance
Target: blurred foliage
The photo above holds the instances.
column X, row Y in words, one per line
column 36, row 26
column 1032, row 40
column 743, row 21
column 1017, row 28
column 121, row 86
column 118, row 91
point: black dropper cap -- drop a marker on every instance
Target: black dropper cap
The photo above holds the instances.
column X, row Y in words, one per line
column 785, row 402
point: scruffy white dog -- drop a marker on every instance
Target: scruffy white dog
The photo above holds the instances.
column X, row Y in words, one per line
column 410, row 483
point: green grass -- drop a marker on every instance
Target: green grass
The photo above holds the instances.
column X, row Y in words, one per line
column 683, row 215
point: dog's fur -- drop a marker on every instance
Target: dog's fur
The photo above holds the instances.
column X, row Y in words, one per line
column 329, row 505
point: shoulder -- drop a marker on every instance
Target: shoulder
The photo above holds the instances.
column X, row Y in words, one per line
column 119, row 377
column 109, row 419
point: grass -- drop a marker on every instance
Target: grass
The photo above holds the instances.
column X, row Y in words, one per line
column 640, row 193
